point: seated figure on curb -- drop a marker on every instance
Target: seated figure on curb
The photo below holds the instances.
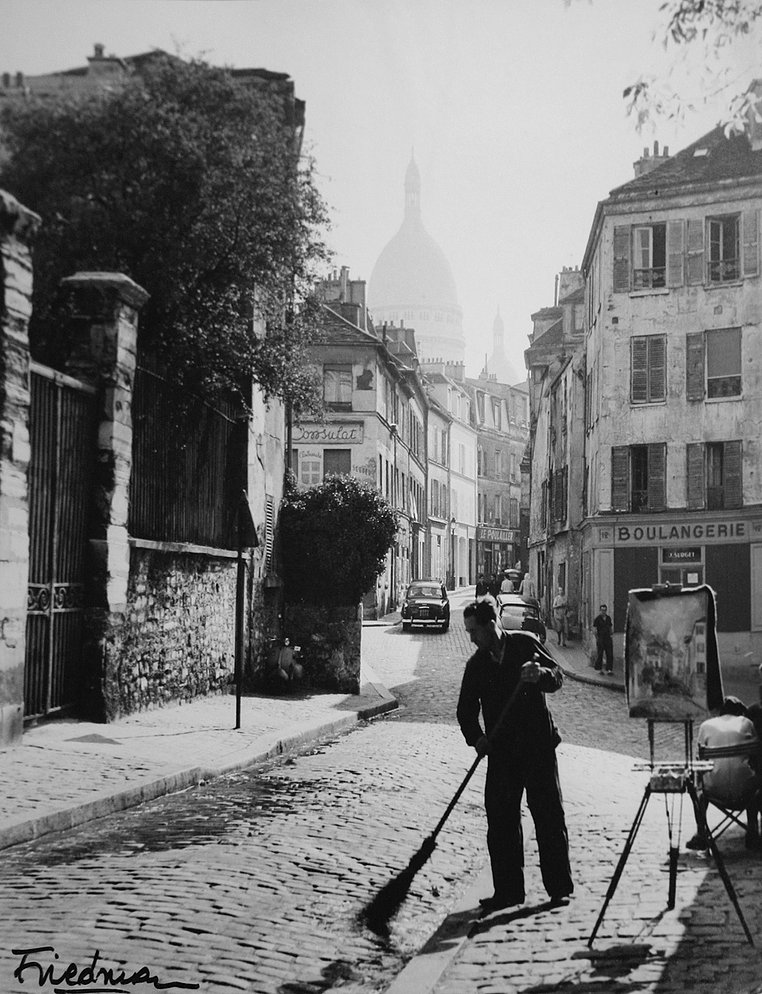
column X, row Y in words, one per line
column 731, row 742
column 521, row 751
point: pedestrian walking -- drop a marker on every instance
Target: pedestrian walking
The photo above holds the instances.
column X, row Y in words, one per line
column 482, row 587
column 604, row 640
column 559, row 615
column 494, row 587
column 521, row 753
column 527, row 588
column 506, row 586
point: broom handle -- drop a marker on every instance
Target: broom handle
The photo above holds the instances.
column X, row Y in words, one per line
column 459, row 791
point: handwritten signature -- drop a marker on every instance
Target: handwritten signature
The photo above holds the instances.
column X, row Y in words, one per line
column 69, row 978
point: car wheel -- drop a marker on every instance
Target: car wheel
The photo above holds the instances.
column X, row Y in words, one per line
column 406, row 626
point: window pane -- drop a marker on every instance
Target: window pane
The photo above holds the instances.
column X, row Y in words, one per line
column 337, row 384
column 337, row 462
column 723, row 352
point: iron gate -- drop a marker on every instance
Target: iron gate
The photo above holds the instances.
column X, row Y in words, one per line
column 62, row 423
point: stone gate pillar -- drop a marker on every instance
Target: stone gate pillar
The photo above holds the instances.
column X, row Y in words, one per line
column 104, row 311
column 17, row 228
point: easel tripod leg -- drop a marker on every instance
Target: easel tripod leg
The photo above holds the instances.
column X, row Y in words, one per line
column 621, row 864
column 704, row 827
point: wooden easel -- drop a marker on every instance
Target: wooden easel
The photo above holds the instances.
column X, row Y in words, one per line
column 672, row 778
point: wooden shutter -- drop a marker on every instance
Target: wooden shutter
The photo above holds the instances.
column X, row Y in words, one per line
column 639, row 370
column 657, row 368
column 750, row 243
column 696, row 250
column 622, row 259
column 694, row 365
column 675, row 252
column 620, row 478
column 732, row 483
column 269, row 529
column 657, row 477
column 695, row 475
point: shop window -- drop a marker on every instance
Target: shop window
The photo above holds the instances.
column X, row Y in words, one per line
column 714, row 475
column 337, row 387
column 638, row 477
column 337, row 462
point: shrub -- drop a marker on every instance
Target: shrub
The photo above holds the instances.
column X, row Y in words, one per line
column 334, row 540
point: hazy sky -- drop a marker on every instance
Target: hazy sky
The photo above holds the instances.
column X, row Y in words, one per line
column 513, row 107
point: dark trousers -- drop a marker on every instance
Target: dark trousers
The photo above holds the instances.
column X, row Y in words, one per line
column 605, row 645
column 508, row 776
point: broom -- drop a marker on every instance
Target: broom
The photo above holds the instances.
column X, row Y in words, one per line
column 378, row 912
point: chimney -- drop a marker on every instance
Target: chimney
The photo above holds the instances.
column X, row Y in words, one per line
column 98, row 50
column 6, row 80
column 19, row 79
column 648, row 162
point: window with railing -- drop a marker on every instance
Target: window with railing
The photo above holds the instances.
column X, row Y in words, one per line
column 649, row 255
column 724, row 262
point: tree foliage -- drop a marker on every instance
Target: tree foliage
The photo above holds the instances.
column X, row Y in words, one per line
column 192, row 183
column 334, row 540
column 705, row 40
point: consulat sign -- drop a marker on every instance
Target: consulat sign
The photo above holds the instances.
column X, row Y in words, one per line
column 346, row 433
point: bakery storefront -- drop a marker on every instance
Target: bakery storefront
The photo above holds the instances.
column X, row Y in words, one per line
column 722, row 549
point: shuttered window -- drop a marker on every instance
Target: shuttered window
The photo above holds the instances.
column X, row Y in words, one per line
column 675, row 253
column 724, row 248
column 695, row 475
column 620, row 478
column 750, row 223
column 657, row 477
column 714, row 475
column 696, row 250
column 639, row 477
column 694, row 366
column 732, row 477
column 621, row 259
column 648, row 369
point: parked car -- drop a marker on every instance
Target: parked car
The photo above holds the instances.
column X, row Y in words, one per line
column 521, row 614
column 426, row 603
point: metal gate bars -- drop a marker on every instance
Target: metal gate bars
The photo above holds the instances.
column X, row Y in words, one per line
column 62, row 421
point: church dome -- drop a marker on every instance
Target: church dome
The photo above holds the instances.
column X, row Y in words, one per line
column 412, row 282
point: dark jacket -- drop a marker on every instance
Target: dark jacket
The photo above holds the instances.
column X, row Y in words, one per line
column 487, row 686
column 604, row 627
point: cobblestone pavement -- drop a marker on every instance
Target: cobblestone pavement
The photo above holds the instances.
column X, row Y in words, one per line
column 253, row 882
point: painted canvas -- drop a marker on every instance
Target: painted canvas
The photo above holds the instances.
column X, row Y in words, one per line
column 672, row 668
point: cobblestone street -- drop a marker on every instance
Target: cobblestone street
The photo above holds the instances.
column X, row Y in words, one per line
column 253, row 881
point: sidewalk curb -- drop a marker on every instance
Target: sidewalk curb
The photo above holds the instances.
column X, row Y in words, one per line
column 591, row 680
column 152, row 788
column 425, row 969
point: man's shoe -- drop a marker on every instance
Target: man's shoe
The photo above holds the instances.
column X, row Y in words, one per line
column 498, row 901
column 697, row 842
column 609, row 672
column 560, row 897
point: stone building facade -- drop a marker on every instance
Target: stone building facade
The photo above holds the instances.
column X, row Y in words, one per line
column 501, row 414
column 673, row 324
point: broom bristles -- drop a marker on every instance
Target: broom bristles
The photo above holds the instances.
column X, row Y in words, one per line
column 378, row 913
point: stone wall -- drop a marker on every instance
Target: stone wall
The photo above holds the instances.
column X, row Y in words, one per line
column 330, row 640
column 17, row 227
column 176, row 640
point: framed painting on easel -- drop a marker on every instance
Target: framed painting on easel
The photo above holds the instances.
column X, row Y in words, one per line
column 672, row 668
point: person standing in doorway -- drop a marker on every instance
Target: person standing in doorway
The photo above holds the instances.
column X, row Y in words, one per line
column 520, row 744
column 559, row 615
column 604, row 640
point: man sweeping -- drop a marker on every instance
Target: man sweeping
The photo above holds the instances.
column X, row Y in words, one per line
column 520, row 748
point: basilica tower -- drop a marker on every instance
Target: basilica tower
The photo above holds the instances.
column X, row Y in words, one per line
column 412, row 283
